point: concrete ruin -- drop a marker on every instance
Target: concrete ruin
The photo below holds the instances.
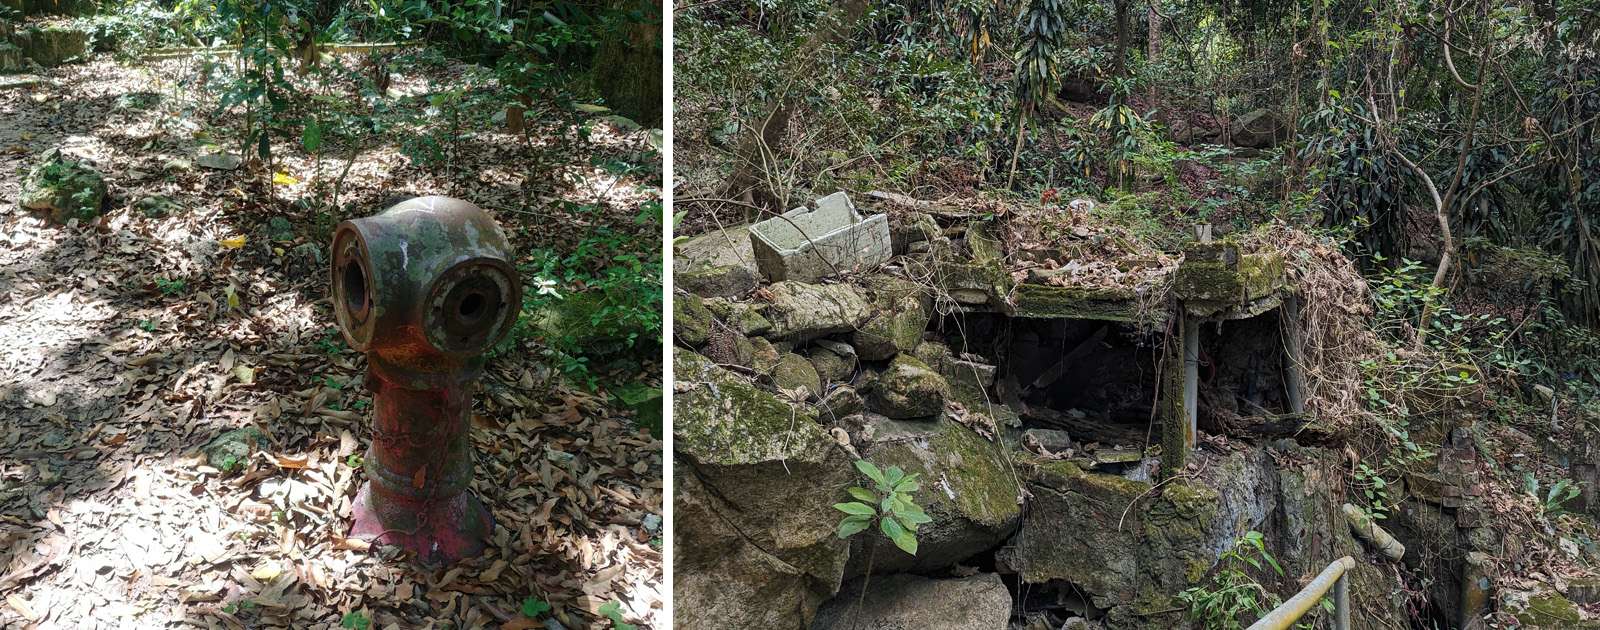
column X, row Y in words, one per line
column 1056, row 422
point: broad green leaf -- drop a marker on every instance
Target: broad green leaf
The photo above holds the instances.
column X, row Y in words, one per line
column 853, row 525
column 591, row 109
column 869, row 470
column 862, row 494
column 853, row 508
column 894, row 476
column 902, row 538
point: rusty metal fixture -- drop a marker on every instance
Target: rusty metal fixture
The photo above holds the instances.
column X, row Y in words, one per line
column 424, row 289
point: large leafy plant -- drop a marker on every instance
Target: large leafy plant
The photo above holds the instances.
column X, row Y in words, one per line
column 888, row 504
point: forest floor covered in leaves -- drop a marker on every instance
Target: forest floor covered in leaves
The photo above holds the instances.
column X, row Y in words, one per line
column 132, row 342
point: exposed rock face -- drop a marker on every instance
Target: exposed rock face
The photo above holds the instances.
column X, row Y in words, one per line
column 968, row 488
column 801, row 311
column 908, row 389
column 909, row 602
column 757, row 477
column 64, row 188
column 1130, row 549
column 900, row 314
column 1259, row 129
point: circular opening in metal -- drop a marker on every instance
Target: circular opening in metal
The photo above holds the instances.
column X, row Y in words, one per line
column 355, row 288
column 472, row 307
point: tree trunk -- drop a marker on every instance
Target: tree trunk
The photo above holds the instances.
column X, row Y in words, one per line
column 1123, row 38
column 754, row 152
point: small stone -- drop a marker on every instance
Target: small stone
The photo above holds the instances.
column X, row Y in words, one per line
column 1052, row 440
column 218, row 161
column 230, row 450
column 831, row 365
column 765, row 356
column 909, row 389
column 793, row 373
column 691, row 320
column 841, row 402
column 157, row 206
column 801, row 311
column 65, row 188
column 743, row 317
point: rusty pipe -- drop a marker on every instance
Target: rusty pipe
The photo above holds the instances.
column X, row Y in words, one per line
column 423, row 288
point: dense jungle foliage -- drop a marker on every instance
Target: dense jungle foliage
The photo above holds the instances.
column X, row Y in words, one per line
column 1451, row 145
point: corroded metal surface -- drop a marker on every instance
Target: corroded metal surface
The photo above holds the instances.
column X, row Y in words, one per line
column 424, row 289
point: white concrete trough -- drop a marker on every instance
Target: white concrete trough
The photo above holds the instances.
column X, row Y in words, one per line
column 806, row 245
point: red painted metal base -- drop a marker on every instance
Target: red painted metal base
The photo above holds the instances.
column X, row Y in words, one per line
column 439, row 534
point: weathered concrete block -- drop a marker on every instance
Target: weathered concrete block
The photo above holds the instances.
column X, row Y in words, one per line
column 806, row 245
column 52, row 44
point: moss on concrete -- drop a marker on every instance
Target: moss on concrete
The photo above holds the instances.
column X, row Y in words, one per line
column 1105, row 304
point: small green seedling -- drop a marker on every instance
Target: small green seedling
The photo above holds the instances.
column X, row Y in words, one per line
column 532, row 607
column 889, row 504
column 170, row 287
column 613, row 611
column 354, row 620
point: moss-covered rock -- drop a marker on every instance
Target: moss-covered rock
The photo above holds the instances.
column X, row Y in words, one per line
column 764, row 357
column 720, row 263
column 743, row 317
column 64, row 188
column 908, row 389
column 968, row 488
column 793, row 372
column 802, row 311
column 901, row 310
column 1550, row 611
column 833, row 361
column 691, row 320
column 231, row 450
column 756, row 476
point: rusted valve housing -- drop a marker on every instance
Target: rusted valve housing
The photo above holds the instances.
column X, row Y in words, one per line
column 424, row 289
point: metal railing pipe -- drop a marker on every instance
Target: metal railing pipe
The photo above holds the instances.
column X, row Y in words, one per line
column 1333, row 577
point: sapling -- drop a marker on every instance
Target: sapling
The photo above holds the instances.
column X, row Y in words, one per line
column 889, row 505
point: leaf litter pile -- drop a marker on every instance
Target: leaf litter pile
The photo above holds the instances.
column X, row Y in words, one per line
column 135, row 341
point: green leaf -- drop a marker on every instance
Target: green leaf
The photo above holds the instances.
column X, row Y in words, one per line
column 862, row 494
column 902, row 538
column 913, row 515
column 354, row 620
column 869, row 470
column 311, row 136
column 853, row 525
column 855, row 509
column 894, row 476
column 907, row 484
column 532, row 607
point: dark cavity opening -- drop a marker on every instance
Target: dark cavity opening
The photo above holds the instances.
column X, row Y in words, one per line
column 355, row 288
column 472, row 308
